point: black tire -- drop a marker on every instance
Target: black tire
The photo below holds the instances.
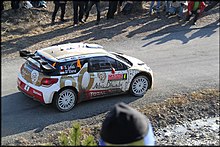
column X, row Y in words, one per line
column 65, row 100
column 139, row 85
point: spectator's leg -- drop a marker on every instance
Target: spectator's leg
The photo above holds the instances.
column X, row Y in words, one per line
column 188, row 17
column 88, row 10
column 63, row 9
column 98, row 12
column 56, row 8
column 195, row 18
column 81, row 11
column 168, row 6
column 75, row 12
column 158, row 6
column 109, row 9
column 180, row 12
column 151, row 7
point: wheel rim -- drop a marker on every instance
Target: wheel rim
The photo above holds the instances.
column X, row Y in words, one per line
column 66, row 100
column 139, row 85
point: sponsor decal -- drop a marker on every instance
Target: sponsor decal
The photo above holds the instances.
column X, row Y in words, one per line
column 110, row 84
column 102, row 76
column 98, row 93
column 34, row 76
column 35, row 92
column 114, row 77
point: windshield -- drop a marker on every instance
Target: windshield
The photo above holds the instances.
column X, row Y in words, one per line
column 122, row 58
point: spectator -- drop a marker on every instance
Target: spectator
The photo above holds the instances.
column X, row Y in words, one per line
column 195, row 7
column 176, row 7
column 97, row 4
column 62, row 5
column 126, row 126
column 167, row 6
column 112, row 8
column 78, row 13
column 157, row 8
column 127, row 9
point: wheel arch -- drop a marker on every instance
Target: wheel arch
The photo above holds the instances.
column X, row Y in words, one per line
column 148, row 75
column 66, row 87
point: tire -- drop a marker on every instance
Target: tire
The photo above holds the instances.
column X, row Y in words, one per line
column 139, row 85
column 65, row 100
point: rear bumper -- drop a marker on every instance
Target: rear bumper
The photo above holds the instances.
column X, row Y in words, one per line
column 29, row 91
column 40, row 93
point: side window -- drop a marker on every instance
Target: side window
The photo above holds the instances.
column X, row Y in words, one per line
column 121, row 66
column 98, row 64
column 69, row 67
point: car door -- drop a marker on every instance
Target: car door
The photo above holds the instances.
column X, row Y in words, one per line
column 108, row 78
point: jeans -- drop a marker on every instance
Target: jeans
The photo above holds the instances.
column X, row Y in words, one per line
column 152, row 5
column 174, row 10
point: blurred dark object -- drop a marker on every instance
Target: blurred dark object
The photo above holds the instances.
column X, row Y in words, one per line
column 211, row 5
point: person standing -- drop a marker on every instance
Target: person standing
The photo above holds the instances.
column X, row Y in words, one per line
column 62, row 5
column 195, row 7
column 157, row 8
column 78, row 12
column 112, row 8
column 176, row 8
column 125, row 126
column 97, row 4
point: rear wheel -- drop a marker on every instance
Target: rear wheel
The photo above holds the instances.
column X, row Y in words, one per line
column 139, row 85
column 65, row 100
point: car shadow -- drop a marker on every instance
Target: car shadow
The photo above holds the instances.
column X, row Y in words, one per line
column 21, row 113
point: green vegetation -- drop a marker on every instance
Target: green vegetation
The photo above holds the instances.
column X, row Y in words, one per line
column 74, row 138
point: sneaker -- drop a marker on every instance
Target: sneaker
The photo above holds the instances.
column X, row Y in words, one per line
column 75, row 25
column 194, row 23
column 82, row 21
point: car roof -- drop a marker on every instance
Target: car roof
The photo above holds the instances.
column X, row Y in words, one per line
column 73, row 50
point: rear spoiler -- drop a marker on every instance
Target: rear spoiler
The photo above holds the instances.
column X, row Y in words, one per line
column 45, row 66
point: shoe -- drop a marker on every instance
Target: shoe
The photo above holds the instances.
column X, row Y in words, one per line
column 194, row 23
column 82, row 21
column 97, row 23
column 75, row 25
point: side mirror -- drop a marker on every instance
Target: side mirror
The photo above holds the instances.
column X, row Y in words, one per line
column 113, row 70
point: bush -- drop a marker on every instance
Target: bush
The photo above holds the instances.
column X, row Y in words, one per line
column 75, row 136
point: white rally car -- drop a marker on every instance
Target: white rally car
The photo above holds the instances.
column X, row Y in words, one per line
column 71, row 73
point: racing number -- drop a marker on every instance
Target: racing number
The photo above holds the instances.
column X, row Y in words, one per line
column 26, row 87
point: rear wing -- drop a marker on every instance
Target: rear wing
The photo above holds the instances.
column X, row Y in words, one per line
column 36, row 60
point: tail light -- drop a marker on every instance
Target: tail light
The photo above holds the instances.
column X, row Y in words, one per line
column 48, row 81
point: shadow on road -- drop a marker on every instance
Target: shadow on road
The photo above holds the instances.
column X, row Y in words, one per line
column 21, row 113
column 176, row 32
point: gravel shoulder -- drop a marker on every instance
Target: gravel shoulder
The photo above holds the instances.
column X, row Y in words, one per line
column 185, row 119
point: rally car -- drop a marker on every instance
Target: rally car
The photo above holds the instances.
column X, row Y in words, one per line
column 70, row 73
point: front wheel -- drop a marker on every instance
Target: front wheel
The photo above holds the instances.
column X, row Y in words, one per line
column 65, row 100
column 139, row 85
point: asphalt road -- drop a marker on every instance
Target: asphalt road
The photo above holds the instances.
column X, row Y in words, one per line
column 182, row 61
